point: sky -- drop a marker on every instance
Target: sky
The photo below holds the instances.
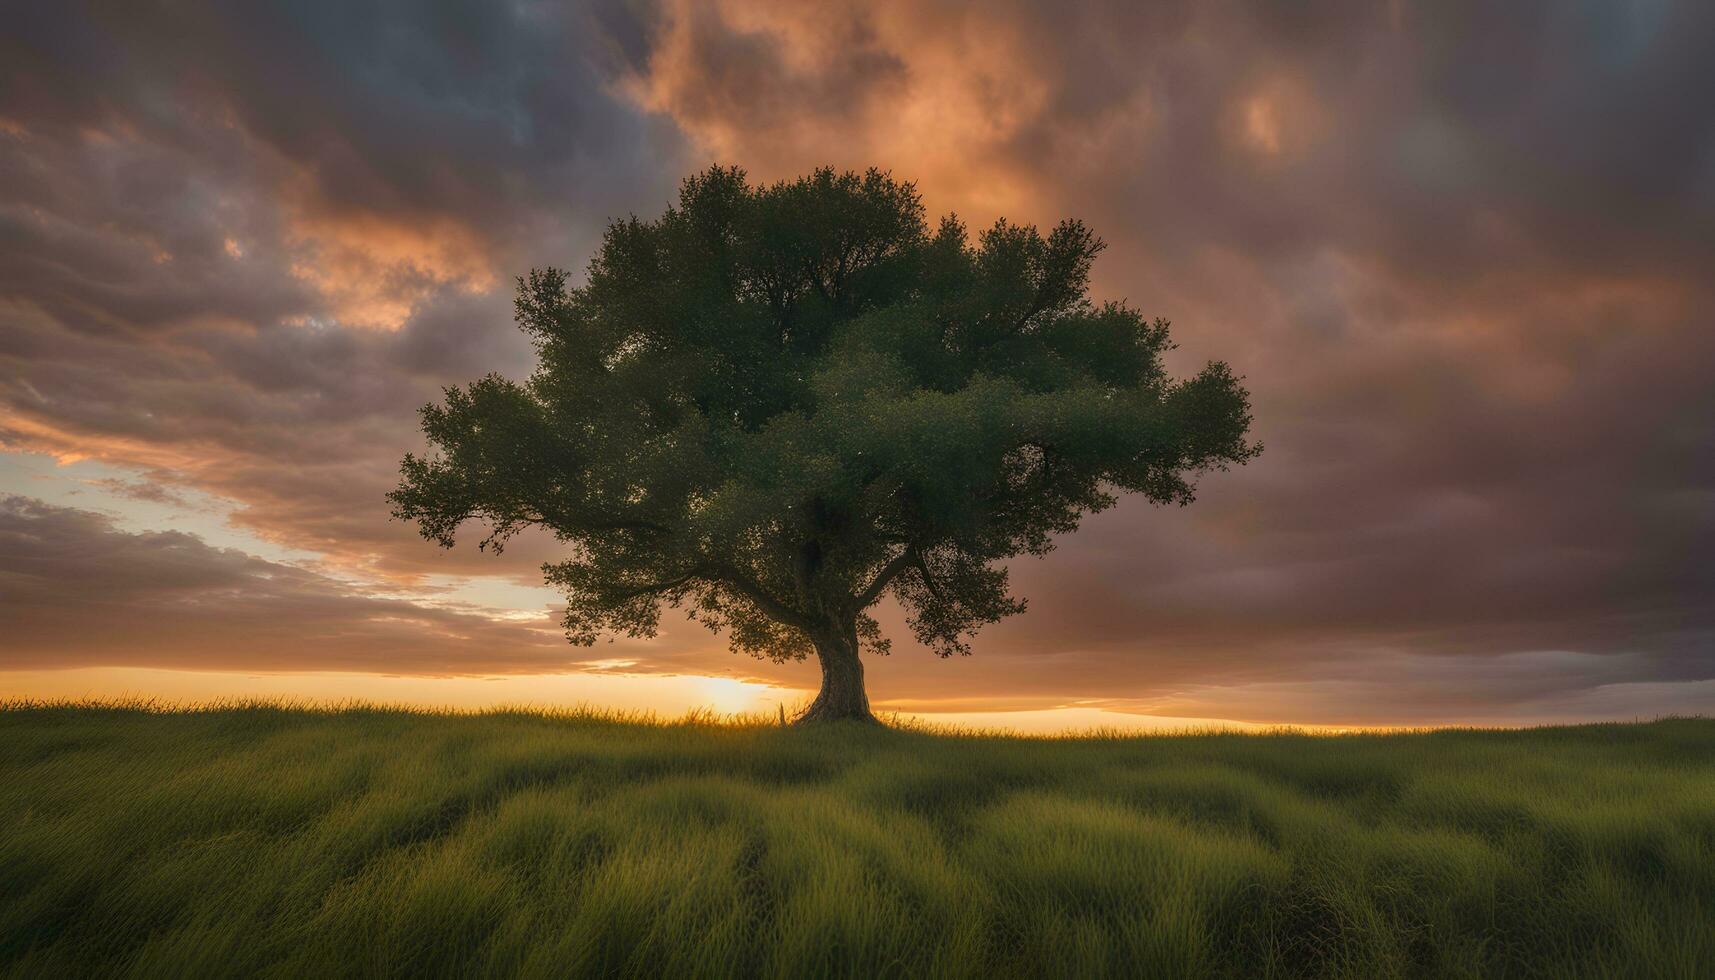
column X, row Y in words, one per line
column 1463, row 254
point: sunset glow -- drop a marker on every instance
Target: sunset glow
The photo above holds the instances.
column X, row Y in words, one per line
column 662, row 697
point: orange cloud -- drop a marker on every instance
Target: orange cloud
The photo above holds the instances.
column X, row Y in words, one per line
column 373, row 271
column 1279, row 120
column 782, row 87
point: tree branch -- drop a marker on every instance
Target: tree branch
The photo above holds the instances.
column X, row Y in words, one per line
column 888, row 571
column 923, row 570
column 655, row 587
column 730, row 575
column 726, row 574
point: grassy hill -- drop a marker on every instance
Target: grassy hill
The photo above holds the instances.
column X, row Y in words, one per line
column 375, row 842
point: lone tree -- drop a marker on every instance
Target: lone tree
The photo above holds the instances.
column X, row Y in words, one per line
column 776, row 404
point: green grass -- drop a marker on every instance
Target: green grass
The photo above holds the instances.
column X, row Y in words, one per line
column 290, row 842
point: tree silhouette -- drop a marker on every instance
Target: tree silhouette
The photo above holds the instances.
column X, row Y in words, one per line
column 774, row 405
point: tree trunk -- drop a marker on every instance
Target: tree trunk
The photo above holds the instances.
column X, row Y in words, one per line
column 842, row 697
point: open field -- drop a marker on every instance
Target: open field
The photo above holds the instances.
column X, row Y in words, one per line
column 307, row 843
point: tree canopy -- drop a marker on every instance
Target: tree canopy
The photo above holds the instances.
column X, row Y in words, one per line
column 776, row 404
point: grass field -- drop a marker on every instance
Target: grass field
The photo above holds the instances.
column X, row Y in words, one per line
column 307, row 843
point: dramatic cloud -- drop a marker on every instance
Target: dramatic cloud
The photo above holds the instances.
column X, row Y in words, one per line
column 1461, row 253
column 78, row 591
column 244, row 247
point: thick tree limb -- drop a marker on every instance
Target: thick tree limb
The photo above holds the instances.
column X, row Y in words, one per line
column 657, row 587
column 723, row 573
column 873, row 591
column 731, row 576
column 923, row 570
